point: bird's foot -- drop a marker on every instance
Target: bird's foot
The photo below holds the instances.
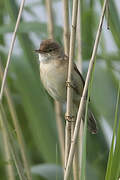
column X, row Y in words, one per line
column 70, row 118
column 69, row 84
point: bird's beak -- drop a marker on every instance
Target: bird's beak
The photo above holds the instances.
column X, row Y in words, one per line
column 37, row 51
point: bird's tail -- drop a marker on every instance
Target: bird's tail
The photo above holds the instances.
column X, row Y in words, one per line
column 92, row 127
column 91, row 122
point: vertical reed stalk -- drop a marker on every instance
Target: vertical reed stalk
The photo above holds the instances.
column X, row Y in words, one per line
column 76, row 155
column 50, row 24
column 66, row 38
column 17, row 127
column 66, row 26
column 58, row 108
column 79, row 38
column 69, row 110
column 83, row 99
column 69, row 125
column 79, row 65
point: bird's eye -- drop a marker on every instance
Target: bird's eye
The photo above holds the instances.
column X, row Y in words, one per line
column 50, row 50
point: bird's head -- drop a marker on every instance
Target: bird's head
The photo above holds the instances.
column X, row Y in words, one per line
column 49, row 49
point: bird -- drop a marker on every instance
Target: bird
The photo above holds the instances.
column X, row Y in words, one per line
column 53, row 74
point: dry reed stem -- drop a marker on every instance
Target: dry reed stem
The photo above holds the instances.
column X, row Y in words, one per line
column 10, row 140
column 11, row 48
column 69, row 107
column 83, row 99
column 58, row 108
column 17, row 127
column 79, row 39
column 80, row 141
column 66, row 26
column 67, row 141
column 66, row 38
column 58, row 111
column 76, row 155
column 79, row 65
column 50, row 19
column 71, row 55
column 69, row 126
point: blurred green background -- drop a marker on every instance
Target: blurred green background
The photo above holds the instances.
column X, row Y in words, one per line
column 35, row 109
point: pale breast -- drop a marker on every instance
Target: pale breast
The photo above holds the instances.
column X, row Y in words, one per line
column 54, row 78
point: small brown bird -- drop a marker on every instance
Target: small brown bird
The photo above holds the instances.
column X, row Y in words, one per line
column 54, row 71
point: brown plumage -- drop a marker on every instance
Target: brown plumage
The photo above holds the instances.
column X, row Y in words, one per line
column 54, row 71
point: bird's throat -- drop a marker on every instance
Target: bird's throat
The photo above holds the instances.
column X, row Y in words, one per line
column 42, row 58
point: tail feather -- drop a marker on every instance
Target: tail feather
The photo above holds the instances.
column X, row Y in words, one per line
column 91, row 122
column 92, row 127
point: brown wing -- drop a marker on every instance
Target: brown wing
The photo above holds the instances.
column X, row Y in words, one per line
column 77, row 81
column 78, row 72
column 81, row 78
